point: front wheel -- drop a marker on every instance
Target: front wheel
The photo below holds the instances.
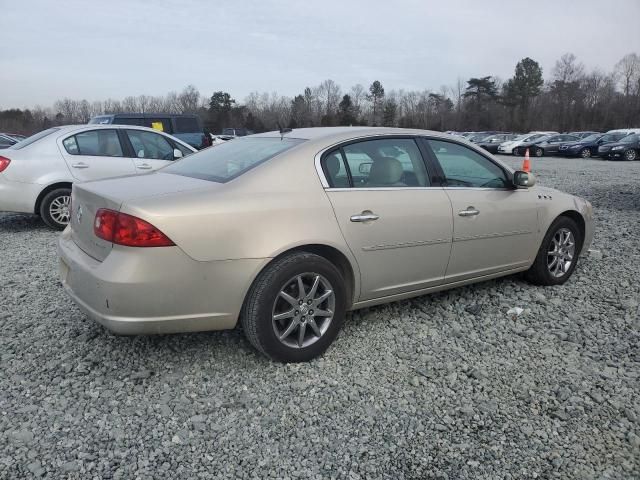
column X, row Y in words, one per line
column 539, row 152
column 295, row 308
column 55, row 208
column 630, row 155
column 558, row 255
column 585, row 153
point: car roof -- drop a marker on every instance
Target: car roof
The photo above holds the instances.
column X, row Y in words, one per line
column 341, row 133
column 66, row 129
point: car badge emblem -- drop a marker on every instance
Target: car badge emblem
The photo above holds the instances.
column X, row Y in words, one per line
column 79, row 214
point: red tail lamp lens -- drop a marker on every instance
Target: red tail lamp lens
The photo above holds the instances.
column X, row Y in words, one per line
column 123, row 229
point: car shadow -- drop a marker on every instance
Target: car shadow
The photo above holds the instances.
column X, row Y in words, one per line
column 20, row 222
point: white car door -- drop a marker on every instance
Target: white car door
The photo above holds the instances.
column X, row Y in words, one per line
column 95, row 154
column 152, row 150
column 398, row 227
column 495, row 226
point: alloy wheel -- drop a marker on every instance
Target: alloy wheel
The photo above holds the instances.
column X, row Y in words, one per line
column 585, row 153
column 561, row 252
column 630, row 155
column 60, row 209
column 539, row 152
column 303, row 310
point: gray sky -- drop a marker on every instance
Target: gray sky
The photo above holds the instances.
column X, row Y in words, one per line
column 99, row 49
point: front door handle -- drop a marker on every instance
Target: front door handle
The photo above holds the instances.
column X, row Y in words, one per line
column 365, row 216
column 469, row 212
column 80, row 165
column 144, row 166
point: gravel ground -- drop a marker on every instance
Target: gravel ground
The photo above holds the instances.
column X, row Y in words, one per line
column 446, row 386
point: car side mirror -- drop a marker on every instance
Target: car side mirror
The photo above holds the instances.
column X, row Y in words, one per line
column 523, row 179
column 177, row 153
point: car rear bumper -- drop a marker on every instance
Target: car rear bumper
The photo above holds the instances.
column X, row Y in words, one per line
column 139, row 291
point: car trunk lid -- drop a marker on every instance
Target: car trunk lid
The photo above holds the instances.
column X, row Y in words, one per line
column 87, row 198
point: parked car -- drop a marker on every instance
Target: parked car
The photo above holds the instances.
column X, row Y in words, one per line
column 6, row 141
column 507, row 148
column 582, row 135
column 345, row 228
column 627, row 148
column 16, row 136
column 229, row 133
column 479, row 136
column 546, row 145
column 185, row 127
column 492, row 142
column 588, row 147
column 36, row 174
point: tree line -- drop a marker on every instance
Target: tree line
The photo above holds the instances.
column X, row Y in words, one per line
column 571, row 98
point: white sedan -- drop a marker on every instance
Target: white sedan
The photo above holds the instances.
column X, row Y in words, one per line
column 36, row 174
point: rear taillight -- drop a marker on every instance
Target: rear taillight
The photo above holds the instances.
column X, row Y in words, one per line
column 128, row 230
column 4, row 163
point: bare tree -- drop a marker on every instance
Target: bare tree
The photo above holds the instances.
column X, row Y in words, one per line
column 188, row 99
column 628, row 72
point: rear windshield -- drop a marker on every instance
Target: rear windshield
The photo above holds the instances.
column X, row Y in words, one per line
column 187, row 125
column 33, row 138
column 230, row 160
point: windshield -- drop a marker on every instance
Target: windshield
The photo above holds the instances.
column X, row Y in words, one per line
column 33, row 138
column 542, row 138
column 591, row 138
column 230, row 160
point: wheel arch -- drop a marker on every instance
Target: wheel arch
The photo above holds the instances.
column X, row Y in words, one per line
column 331, row 254
column 46, row 190
column 579, row 219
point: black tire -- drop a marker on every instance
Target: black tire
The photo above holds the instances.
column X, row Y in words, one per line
column 585, row 153
column 53, row 198
column 539, row 152
column 630, row 155
column 257, row 311
column 539, row 273
column 515, row 151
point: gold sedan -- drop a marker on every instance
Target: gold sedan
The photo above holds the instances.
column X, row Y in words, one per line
column 285, row 232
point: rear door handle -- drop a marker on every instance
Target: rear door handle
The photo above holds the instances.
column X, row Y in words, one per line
column 365, row 216
column 469, row 212
column 80, row 165
column 144, row 166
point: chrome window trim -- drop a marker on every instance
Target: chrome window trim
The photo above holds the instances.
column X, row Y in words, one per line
column 427, row 136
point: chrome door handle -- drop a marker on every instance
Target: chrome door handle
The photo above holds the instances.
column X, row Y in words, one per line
column 469, row 212
column 144, row 166
column 80, row 165
column 365, row 216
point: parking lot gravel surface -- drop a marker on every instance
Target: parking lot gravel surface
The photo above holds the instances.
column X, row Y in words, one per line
column 446, row 386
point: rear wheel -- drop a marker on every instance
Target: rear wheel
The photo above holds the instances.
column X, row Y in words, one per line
column 585, row 153
column 630, row 155
column 295, row 308
column 557, row 257
column 55, row 208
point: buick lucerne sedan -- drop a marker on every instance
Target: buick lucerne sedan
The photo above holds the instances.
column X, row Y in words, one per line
column 284, row 232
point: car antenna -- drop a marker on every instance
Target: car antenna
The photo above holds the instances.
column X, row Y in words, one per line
column 283, row 131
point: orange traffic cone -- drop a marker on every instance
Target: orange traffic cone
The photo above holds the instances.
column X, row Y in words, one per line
column 526, row 165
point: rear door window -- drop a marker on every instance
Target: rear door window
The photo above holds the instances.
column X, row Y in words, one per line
column 97, row 143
